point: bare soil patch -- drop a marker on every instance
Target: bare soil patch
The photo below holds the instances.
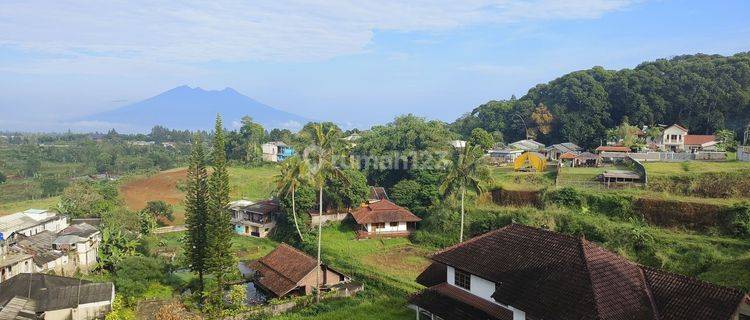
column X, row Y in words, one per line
column 161, row 186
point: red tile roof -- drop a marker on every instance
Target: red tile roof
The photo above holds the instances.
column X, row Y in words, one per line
column 568, row 155
column 613, row 149
column 283, row 268
column 450, row 302
column 549, row 275
column 383, row 211
column 378, row 193
column 694, row 139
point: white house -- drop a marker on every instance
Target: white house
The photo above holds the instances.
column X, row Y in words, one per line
column 676, row 138
column 31, row 222
column 519, row 272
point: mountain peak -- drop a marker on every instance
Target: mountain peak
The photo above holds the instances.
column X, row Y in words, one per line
column 194, row 108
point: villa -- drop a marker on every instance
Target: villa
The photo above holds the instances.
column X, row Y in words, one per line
column 520, row 272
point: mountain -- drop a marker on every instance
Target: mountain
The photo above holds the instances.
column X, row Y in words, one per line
column 195, row 108
column 704, row 93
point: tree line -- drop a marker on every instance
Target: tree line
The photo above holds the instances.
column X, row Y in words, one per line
column 705, row 93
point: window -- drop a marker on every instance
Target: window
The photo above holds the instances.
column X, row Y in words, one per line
column 394, row 224
column 380, row 225
column 462, row 279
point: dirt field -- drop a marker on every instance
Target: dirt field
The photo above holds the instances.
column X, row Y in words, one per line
column 161, row 186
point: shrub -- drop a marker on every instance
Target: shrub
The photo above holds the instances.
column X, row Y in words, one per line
column 735, row 220
column 613, row 205
column 135, row 274
column 565, row 196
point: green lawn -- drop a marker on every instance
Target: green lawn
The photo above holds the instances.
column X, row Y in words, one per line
column 16, row 206
column 672, row 168
column 252, row 183
column 509, row 179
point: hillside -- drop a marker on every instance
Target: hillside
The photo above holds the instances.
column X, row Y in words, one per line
column 704, row 93
column 188, row 108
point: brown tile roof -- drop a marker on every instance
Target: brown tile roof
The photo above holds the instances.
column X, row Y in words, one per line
column 378, row 193
column 450, row 302
column 681, row 297
column 613, row 149
column 434, row 274
column 383, row 211
column 695, row 139
column 554, row 276
column 283, row 268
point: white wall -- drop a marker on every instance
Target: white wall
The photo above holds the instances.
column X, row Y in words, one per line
column 400, row 227
column 484, row 289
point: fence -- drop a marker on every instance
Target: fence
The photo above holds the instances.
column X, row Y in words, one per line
column 743, row 153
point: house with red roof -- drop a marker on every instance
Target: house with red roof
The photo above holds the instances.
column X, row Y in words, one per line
column 520, row 272
column 384, row 218
column 676, row 138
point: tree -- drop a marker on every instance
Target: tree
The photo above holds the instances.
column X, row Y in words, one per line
column 196, row 213
column 219, row 226
column 322, row 169
column 133, row 274
column 543, row 118
column 467, row 172
column 87, row 199
column 160, row 210
column 727, row 140
column 52, row 186
column 114, row 247
column 293, row 174
column 480, row 137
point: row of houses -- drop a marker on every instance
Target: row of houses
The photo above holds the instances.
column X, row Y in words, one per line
column 378, row 217
column 37, row 249
column 42, row 241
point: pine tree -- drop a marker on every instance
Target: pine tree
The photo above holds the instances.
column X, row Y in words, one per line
column 196, row 211
column 220, row 259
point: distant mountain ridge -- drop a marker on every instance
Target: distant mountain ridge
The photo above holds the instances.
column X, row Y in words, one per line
column 195, row 109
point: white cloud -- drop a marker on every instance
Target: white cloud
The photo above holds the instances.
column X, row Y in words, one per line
column 271, row 30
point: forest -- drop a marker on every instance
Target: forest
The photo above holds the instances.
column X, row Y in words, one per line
column 704, row 93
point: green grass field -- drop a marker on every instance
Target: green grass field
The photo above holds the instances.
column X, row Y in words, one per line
column 673, row 168
column 252, row 183
column 509, row 179
column 16, row 206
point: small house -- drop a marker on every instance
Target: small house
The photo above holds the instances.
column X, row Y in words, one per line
column 13, row 261
column 527, row 145
column 31, row 222
column 694, row 142
column 556, row 150
column 384, row 218
column 254, row 219
column 615, row 178
column 287, row 271
column 613, row 149
column 82, row 242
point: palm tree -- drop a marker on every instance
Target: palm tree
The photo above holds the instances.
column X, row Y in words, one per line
column 294, row 172
column 467, row 172
column 322, row 168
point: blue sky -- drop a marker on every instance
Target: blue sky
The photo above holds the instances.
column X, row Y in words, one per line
column 354, row 62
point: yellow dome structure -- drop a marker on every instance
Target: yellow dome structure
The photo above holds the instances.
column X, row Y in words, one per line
column 533, row 160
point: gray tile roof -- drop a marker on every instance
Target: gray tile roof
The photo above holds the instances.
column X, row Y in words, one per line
column 54, row 292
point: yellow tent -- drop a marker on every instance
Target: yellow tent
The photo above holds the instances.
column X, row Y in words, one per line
column 534, row 160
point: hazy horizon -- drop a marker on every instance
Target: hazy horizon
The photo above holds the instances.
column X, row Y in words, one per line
column 356, row 64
